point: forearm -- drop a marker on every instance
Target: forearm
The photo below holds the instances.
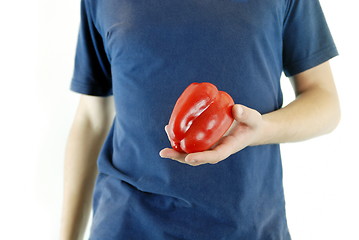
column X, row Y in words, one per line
column 80, row 170
column 313, row 113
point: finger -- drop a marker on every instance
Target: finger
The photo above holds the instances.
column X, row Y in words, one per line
column 209, row 156
column 172, row 154
column 231, row 128
column 166, row 130
column 223, row 150
column 179, row 157
column 246, row 115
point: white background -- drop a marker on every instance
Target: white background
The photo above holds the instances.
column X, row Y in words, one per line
column 37, row 49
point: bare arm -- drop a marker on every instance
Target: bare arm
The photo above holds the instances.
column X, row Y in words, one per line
column 92, row 120
column 314, row 112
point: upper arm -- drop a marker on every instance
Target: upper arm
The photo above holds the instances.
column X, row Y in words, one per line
column 92, row 68
column 97, row 112
column 317, row 77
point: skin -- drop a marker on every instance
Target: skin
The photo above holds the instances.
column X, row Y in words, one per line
column 314, row 112
column 90, row 126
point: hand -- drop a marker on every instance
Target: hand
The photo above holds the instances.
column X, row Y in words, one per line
column 246, row 130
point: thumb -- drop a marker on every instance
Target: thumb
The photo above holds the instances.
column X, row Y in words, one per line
column 248, row 116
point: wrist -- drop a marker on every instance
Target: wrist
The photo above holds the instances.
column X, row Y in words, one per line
column 267, row 131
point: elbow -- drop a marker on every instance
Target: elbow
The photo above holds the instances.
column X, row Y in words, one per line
column 334, row 120
column 334, row 124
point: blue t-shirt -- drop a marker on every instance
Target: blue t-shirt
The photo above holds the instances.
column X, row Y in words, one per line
column 145, row 53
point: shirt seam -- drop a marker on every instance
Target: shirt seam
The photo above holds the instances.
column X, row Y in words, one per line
column 310, row 57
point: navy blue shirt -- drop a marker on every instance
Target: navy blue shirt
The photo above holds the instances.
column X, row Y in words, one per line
column 145, row 53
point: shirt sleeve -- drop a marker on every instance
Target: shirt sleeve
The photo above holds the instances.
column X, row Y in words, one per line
column 307, row 41
column 92, row 69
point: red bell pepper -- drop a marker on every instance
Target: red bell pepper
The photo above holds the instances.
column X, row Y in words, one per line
column 201, row 116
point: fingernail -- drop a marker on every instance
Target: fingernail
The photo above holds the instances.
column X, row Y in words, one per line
column 239, row 110
column 161, row 154
column 191, row 160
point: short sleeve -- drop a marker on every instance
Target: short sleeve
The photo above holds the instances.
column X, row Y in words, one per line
column 92, row 70
column 307, row 41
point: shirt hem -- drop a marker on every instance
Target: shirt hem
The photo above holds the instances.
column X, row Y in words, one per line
column 89, row 89
column 311, row 61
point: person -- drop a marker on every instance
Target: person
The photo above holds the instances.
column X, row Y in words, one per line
column 134, row 59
